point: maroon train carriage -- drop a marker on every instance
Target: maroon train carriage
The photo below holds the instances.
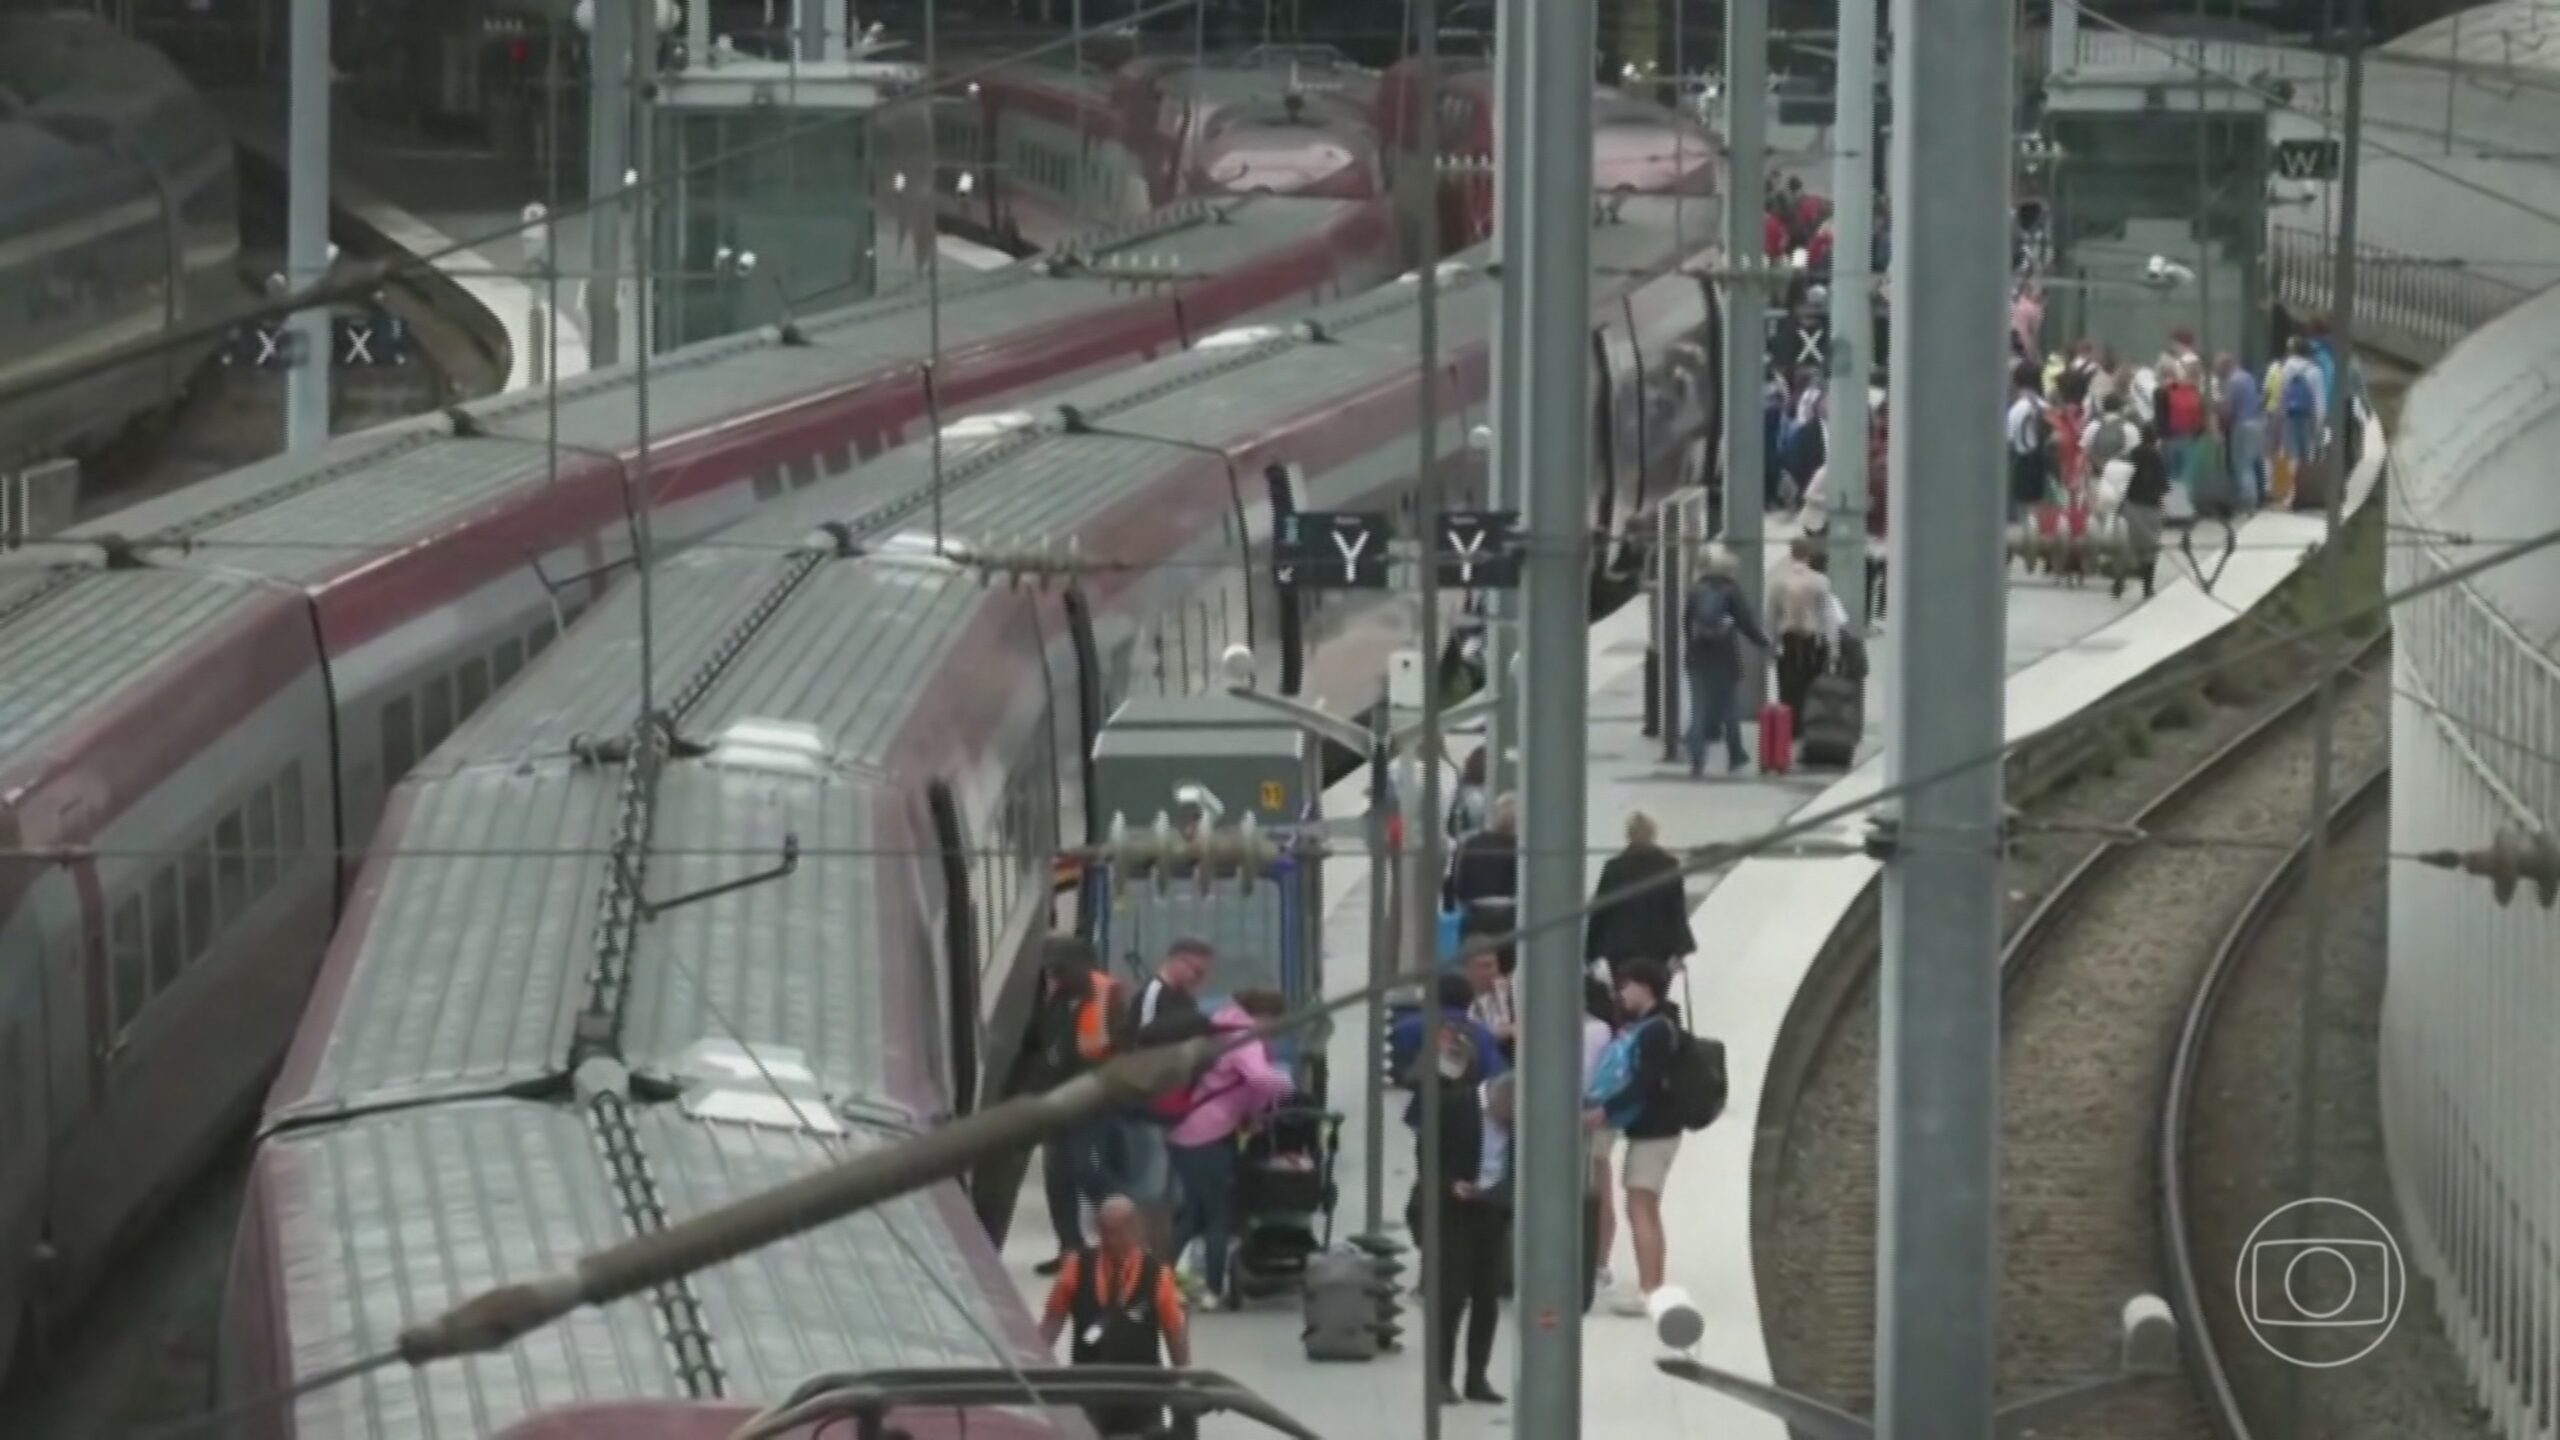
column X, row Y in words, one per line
column 527, row 1037
column 204, row 699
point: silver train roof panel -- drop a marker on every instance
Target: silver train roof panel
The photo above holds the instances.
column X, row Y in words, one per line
column 477, row 949
column 76, row 649
column 344, row 460
column 384, row 1221
column 891, row 1287
column 790, row 962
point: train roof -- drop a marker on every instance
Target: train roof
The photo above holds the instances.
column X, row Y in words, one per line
column 303, row 518
column 375, row 1223
column 70, row 639
column 478, row 949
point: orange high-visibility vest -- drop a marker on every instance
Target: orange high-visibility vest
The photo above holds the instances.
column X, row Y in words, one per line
column 1093, row 1019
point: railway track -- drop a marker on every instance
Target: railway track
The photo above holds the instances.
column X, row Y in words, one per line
column 2107, row 943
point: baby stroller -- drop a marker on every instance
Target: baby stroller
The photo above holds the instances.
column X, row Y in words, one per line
column 1284, row 1199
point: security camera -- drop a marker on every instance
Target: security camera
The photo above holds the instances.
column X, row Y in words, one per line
column 1239, row 666
column 2150, row 1336
column 2161, row 270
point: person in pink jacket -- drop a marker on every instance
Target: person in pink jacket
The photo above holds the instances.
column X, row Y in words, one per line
column 1239, row 1087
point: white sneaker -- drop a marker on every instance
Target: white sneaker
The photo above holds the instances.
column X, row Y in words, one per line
column 1629, row 1301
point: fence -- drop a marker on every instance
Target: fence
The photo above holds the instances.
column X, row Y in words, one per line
column 2469, row 1072
column 2414, row 307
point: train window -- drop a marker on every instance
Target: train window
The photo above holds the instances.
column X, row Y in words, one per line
column 475, row 683
column 839, row 459
column 768, row 484
column 262, row 840
column 540, row 640
column 168, row 933
column 435, row 713
column 13, row 1059
column 129, row 946
column 289, row 810
column 804, row 472
column 399, row 739
column 510, row 660
column 231, row 868
column 198, row 872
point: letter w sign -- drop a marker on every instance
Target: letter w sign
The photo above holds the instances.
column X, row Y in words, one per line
column 2307, row 159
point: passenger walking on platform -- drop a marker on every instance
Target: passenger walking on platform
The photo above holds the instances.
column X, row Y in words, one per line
column 2244, row 420
column 1716, row 621
column 1473, row 804
column 2146, row 493
column 1124, row 1308
column 2108, row 438
column 1800, row 613
column 1483, row 884
column 1490, row 1003
column 1600, row 1215
column 1165, row 1011
column 1639, row 909
column 1652, row 1027
column 2305, row 405
column 1405, row 1061
column 1241, row 1085
column 1074, row 1029
column 2030, row 434
column 1475, row 1196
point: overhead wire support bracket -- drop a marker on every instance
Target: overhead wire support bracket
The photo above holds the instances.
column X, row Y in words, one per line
column 649, row 909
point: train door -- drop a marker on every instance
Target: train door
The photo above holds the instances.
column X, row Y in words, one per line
column 1604, row 447
column 25, row 1126
column 1288, row 612
column 1639, row 399
column 959, row 948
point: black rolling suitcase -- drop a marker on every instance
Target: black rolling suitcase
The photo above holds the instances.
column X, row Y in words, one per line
column 1835, row 710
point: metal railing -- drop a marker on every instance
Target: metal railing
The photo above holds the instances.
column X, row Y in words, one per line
column 2411, row 306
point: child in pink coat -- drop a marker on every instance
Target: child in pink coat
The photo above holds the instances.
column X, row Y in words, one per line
column 1240, row 1086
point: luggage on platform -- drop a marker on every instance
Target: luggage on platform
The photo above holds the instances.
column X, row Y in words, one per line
column 1777, row 739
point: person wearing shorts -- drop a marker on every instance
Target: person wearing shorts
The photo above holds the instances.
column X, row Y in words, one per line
column 1653, row 1138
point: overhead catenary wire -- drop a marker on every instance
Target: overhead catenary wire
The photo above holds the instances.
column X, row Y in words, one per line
column 497, row 1317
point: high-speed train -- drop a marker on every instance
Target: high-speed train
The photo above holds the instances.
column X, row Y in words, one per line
column 1638, row 148
column 527, row 1040
column 1049, row 148
column 118, row 222
column 205, row 698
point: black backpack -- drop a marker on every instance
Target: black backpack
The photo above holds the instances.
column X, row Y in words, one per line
column 1695, row 1085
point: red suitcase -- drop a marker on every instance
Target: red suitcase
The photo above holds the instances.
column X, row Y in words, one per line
column 1777, row 739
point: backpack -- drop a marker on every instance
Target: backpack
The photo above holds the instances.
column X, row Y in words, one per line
column 1709, row 619
column 2181, row 410
column 1695, row 1085
column 2298, row 396
column 1125, row 1002
column 1611, row 1086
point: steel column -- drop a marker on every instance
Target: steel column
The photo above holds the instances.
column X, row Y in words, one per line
column 1937, row 1261
column 1510, row 195
column 1551, row 397
column 313, row 344
column 608, row 162
column 1746, row 329
column 1853, row 189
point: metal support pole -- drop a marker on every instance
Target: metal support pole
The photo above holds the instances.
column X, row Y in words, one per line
column 1512, row 134
column 813, row 28
column 314, row 347
column 608, row 161
column 2342, row 334
column 1937, row 1265
column 1423, row 828
column 1746, row 332
column 1853, row 251
column 1382, row 945
column 1554, row 395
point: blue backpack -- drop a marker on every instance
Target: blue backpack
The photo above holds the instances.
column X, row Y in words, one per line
column 1612, row 1085
column 2298, row 396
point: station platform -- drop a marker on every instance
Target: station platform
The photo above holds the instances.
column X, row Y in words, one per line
column 1760, row 924
column 465, row 206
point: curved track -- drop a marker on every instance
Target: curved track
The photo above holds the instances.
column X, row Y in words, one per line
column 2097, row 973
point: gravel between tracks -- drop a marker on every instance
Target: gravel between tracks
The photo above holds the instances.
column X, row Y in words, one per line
column 2243, row 1136
column 2086, row 1045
